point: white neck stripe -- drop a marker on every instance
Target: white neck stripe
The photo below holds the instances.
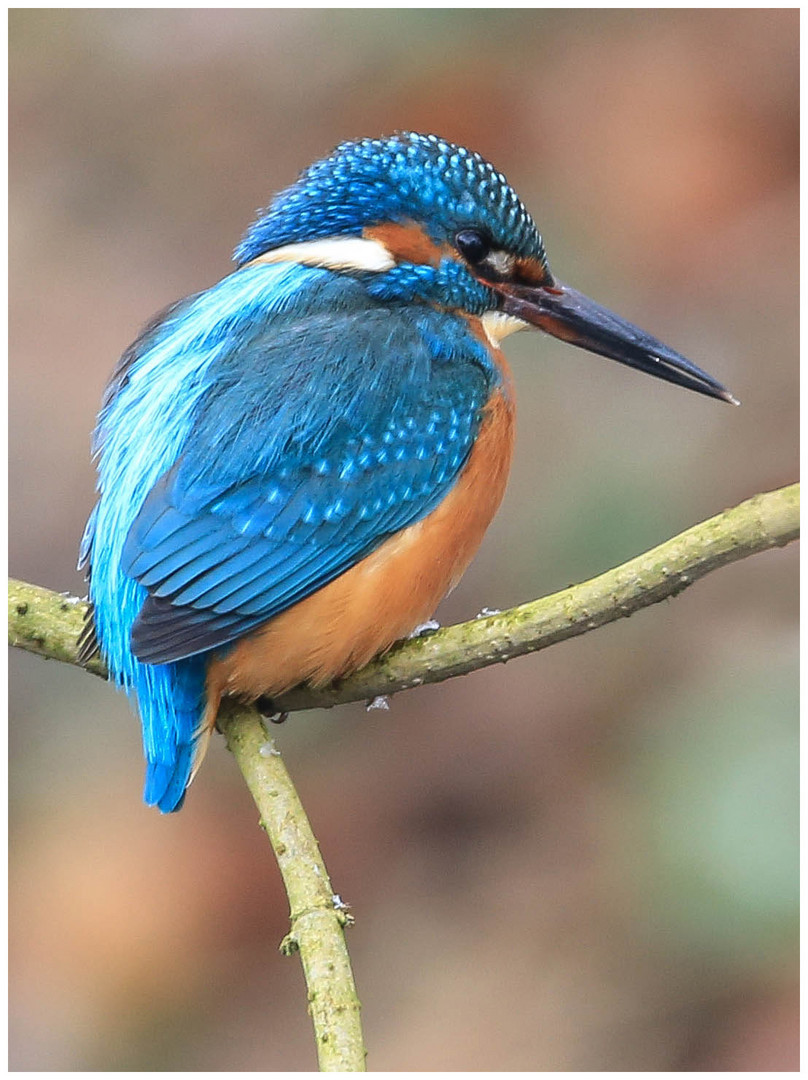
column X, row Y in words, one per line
column 334, row 253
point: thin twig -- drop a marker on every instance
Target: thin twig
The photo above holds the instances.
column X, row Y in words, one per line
column 317, row 916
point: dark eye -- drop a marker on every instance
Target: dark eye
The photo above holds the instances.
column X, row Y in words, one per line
column 472, row 245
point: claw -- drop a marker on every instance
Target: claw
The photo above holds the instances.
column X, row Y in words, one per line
column 266, row 707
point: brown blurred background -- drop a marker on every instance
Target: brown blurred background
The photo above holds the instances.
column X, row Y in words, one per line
column 585, row 860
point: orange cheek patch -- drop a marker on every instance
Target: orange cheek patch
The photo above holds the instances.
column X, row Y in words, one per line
column 407, row 243
column 530, row 272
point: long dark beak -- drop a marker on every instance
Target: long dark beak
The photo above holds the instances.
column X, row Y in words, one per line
column 567, row 314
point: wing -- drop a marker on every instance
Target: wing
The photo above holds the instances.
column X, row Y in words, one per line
column 88, row 641
column 314, row 444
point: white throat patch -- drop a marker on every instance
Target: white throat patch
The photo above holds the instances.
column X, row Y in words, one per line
column 497, row 326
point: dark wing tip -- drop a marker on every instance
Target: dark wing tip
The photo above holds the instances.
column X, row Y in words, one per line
column 163, row 633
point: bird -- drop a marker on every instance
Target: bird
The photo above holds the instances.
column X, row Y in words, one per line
column 298, row 463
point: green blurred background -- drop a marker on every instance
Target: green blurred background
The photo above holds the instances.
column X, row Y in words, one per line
column 585, row 860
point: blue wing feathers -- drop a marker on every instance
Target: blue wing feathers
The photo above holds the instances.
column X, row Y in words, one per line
column 176, row 565
column 147, row 412
column 284, row 507
column 263, row 439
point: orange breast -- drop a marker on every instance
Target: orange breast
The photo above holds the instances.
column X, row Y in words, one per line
column 383, row 598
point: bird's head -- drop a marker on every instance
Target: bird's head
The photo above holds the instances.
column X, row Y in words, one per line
column 419, row 219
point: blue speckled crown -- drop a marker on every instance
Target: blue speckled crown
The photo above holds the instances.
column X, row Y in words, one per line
column 405, row 177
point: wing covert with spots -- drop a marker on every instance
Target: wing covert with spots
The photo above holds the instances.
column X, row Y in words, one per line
column 315, row 464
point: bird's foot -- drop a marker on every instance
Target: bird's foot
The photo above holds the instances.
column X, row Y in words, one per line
column 424, row 628
column 266, row 707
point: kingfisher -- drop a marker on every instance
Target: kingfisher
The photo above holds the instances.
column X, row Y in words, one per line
column 297, row 464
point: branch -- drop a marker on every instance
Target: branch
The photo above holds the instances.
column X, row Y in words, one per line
column 316, row 915
column 49, row 624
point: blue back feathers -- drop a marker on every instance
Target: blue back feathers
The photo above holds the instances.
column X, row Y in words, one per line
column 147, row 415
column 263, row 436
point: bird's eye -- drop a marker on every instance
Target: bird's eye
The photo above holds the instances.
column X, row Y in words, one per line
column 472, row 245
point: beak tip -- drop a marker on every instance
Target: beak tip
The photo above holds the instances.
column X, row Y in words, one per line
column 567, row 314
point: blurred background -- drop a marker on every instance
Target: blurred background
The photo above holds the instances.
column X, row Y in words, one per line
column 586, row 860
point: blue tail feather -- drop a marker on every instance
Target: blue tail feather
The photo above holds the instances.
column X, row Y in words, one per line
column 166, row 785
column 171, row 702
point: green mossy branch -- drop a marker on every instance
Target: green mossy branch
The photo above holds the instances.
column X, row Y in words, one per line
column 49, row 624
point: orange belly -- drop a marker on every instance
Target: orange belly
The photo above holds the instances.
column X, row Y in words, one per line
column 384, row 597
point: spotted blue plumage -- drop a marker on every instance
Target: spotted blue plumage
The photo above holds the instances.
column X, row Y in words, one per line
column 405, row 177
column 261, row 439
column 341, row 430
